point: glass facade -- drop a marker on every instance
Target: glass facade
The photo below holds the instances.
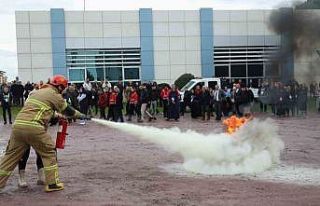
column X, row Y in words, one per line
column 99, row 64
column 114, row 73
column 248, row 64
column 131, row 72
column 76, row 75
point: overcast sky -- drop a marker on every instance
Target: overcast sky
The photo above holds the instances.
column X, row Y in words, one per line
column 8, row 57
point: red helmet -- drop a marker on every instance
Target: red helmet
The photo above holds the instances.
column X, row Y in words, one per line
column 59, row 80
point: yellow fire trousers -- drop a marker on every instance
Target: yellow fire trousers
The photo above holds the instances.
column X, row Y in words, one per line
column 21, row 138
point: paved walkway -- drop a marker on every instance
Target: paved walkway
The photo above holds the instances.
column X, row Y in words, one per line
column 101, row 166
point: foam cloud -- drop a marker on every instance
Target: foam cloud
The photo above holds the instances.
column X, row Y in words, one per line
column 253, row 149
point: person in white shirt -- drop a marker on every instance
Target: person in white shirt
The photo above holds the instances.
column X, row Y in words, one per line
column 87, row 85
column 218, row 94
column 83, row 103
column 106, row 85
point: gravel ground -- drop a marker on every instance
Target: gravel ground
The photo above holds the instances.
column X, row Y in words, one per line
column 102, row 166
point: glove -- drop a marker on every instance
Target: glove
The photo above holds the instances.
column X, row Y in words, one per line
column 59, row 116
column 54, row 121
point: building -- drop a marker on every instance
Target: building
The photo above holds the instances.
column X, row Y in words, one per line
column 3, row 78
column 146, row 44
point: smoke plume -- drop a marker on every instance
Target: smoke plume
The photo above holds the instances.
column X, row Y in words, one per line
column 300, row 36
column 252, row 149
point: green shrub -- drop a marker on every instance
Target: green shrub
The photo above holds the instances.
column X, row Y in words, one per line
column 162, row 85
column 183, row 80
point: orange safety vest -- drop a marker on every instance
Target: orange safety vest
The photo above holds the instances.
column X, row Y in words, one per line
column 113, row 98
column 165, row 94
column 134, row 98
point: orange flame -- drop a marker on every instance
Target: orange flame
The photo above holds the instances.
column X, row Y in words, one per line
column 233, row 123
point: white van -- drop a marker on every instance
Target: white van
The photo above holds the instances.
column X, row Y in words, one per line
column 208, row 82
column 255, row 92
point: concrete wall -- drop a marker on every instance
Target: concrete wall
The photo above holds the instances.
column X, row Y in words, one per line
column 176, row 44
column 243, row 28
column 102, row 29
column 177, row 38
column 34, row 47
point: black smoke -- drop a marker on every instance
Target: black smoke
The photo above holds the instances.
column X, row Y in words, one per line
column 300, row 35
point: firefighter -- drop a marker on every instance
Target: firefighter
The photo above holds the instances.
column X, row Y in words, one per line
column 30, row 129
column 22, row 170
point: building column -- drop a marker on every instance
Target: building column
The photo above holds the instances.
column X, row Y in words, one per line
column 206, row 33
column 146, row 44
column 58, row 42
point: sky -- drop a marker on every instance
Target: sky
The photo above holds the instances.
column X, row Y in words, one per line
column 8, row 47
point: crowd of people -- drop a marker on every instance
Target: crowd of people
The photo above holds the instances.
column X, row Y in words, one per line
column 142, row 102
column 43, row 103
column 287, row 99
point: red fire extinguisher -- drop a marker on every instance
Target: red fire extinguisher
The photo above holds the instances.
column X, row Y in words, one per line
column 62, row 133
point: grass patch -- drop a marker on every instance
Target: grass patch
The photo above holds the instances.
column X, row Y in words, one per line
column 14, row 111
column 312, row 107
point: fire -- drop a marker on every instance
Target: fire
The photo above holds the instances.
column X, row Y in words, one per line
column 233, row 123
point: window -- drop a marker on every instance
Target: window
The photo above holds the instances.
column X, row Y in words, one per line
column 187, row 86
column 76, row 75
column 238, row 70
column 272, row 70
column 201, row 84
column 222, row 71
column 212, row 84
column 131, row 73
column 95, row 74
column 114, row 73
column 111, row 63
column 245, row 61
column 255, row 70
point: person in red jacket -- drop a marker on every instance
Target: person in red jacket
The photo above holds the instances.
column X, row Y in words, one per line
column 164, row 95
column 102, row 103
column 112, row 104
column 134, row 105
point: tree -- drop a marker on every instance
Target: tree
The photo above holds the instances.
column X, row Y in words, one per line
column 183, row 80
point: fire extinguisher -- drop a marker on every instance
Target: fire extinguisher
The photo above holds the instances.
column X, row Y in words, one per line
column 62, row 133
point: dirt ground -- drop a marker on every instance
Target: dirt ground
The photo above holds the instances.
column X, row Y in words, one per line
column 102, row 166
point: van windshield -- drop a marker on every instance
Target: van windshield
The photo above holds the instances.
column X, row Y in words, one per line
column 188, row 86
